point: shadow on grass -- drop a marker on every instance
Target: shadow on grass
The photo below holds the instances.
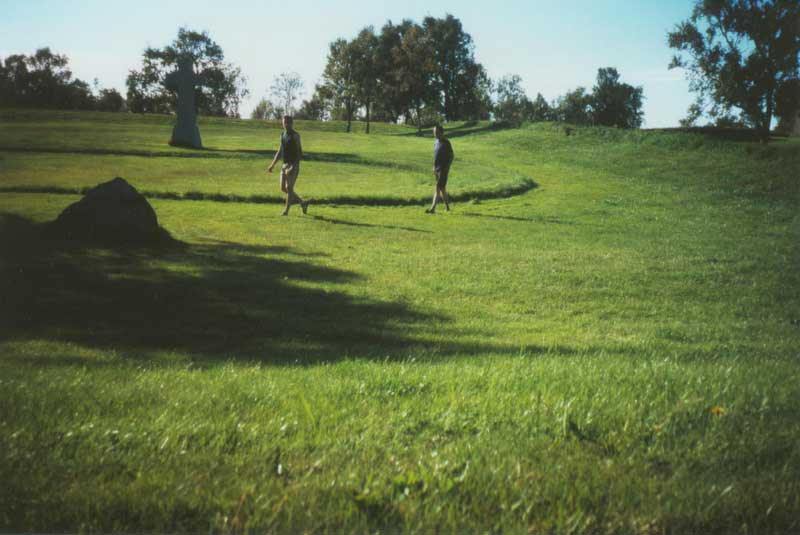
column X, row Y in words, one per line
column 522, row 185
column 326, row 157
column 467, row 129
column 540, row 219
column 212, row 153
column 214, row 301
column 354, row 224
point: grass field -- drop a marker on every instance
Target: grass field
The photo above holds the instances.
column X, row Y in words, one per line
column 601, row 337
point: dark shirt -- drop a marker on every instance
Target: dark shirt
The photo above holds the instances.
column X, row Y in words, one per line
column 291, row 151
column 442, row 153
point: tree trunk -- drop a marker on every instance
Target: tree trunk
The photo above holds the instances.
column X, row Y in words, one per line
column 763, row 134
column 419, row 121
column 367, row 116
column 349, row 107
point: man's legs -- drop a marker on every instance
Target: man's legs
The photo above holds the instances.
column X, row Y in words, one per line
column 445, row 198
column 440, row 191
column 438, row 175
column 432, row 209
column 288, row 179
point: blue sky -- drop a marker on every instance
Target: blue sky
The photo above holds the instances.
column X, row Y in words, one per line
column 554, row 46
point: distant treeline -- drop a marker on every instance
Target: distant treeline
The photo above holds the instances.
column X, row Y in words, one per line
column 417, row 73
column 43, row 80
column 610, row 103
column 422, row 73
column 426, row 73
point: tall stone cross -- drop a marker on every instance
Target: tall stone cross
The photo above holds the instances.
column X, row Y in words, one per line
column 185, row 132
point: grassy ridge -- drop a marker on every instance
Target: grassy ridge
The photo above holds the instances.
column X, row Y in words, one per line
column 66, row 151
column 614, row 351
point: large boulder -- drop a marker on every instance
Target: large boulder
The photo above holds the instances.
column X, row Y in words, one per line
column 112, row 212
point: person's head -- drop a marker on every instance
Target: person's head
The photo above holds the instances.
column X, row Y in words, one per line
column 288, row 122
column 438, row 131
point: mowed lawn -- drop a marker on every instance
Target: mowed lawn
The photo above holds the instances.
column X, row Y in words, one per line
column 612, row 351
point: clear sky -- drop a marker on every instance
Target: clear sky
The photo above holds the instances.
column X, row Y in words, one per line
column 554, row 46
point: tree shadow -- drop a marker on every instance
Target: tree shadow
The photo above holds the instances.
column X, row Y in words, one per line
column 539, row 219
column 213, row 153
column 467, row 129
column 354, row 224
column 314, row 156
column 211, row 301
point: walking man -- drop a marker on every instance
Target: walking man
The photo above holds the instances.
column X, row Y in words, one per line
column 290, row 152
column 442, row 158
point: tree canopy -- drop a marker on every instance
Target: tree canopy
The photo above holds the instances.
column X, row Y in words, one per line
column 614, row 103
column 44, row 80
column 738, row 54
column 421, row 72
column 219, row 94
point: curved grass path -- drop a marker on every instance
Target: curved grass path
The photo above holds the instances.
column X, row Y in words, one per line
column 69, row 153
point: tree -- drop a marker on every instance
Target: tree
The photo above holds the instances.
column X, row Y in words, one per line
column 512, row 103
column 392, row 99
column 265, row 110
column 220, row 93
column 423, row 72
column 364, row 49
column 738, row 53
column 475, row 94
column 339, row 77
column 312, row 109
column 574, row 107
column 414, row 70
column 285, row 89
column 787, row 104
column 456, row 73
column 540, row 109
column 110, row 100
column 615, row 103
column 42, row 80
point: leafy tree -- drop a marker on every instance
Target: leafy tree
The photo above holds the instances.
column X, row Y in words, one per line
column 738, row 53
column 456, row 73
column 512, row 103
column 418, row 71
column 364, row 49
column 474, row 91
column 539, row 109
column 285, row 89
column 392, row 98
column 415, row 70
column 223, row 85
column 110, row 100
column 265, row 110
column 313, row 109
column 339, row 77
column 574, row 107
column 787, row 104
column 44, row 80
column 615, row 103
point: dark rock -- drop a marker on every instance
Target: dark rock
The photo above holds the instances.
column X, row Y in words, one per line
column 112, row 213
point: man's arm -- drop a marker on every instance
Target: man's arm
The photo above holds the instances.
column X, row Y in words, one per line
column 278, row 155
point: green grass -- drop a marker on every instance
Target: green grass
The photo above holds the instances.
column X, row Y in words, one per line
column 548, row 362
column 68, row 151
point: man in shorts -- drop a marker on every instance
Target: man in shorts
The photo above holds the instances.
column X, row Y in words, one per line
column 442, row 159
column 291, row 152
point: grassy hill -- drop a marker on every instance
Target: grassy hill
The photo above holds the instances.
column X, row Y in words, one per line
column 613, row 350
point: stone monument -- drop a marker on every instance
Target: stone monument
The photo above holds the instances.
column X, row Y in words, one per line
column 183, row 80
